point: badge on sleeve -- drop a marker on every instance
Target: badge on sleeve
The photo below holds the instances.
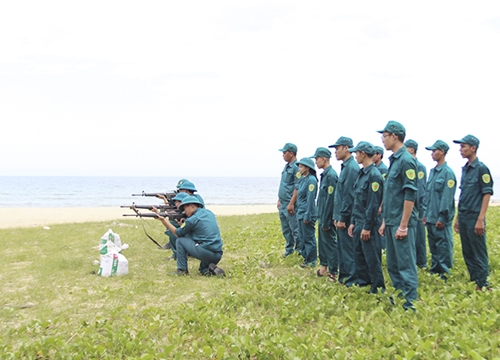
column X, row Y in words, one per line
column 330, row 189
column 375, row 186
column 311, row 187
column 299, row 175
column 486, row 178
column 421, row 174
column 183, row 224
column 410, row 174
column 451, row 183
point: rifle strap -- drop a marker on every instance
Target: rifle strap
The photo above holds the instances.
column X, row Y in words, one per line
column 150, row 238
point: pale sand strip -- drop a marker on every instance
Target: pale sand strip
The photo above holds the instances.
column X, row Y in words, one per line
column 32, row 217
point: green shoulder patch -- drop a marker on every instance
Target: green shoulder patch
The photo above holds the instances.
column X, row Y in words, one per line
column 375, row 186
column 451, row 183
column 311, row 187
column 298, row 175
column 410, row 174
column 330, row 189
column 421, row 174
column 183, row 224
column 486, row 178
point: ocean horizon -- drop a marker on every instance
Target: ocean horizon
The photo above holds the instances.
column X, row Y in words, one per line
column 97, row 191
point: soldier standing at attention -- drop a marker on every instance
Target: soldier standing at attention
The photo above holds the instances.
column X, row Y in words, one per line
column 438, row 217
column 420, row 241
column 368, row 190
column 377, row 160
column 306, row 211
column 476, row 188
column 399, row 214
column 344, row 199
column 327, row 236
column 287, row 195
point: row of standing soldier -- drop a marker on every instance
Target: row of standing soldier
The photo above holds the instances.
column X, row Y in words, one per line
column 364, row 210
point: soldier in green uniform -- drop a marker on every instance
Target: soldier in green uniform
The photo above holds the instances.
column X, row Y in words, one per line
column 377, row 160
column 420, row 241
column 344, row 199
column 438, row 217
column 476, row 188
column 287, row 196
column 379, row 164
column 199, row 236
column 368, row 190
column 399, row 213
column 306, row 210
column 327, row 237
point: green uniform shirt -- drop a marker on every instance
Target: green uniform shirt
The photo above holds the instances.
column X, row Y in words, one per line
column 326, row 196
column 382, row 168
column 441, row 189
column 475, row 183
column 400, row 185
column 368, row 192
column 290, row 177
column 344, row 194
column 422, row 188
column 202, row 227
column 305, row 208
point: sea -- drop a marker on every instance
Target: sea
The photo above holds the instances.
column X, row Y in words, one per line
column 97, row 191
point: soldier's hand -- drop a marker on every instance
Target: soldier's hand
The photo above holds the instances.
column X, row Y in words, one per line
column 424, row 221
column 341, row 225
column 440, row 225
column 456, row 227
column 291, row 209
column 479, row 228
column 350, row 230
column 365, row 235
column 381, row 230
column 401, row 233
column 278, row 204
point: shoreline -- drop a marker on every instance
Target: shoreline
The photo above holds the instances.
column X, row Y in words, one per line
column 39, row 217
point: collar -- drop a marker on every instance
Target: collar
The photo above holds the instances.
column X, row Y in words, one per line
column 367, row 169
column 351, row 158
column 327, row 170
column 472, row 164
column 398, row 154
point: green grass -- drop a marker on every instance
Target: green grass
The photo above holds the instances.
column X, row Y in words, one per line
column 53, row 307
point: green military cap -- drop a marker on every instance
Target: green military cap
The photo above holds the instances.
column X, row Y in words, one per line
column 289, row 147
column 180, row 196
column 180, row 182
column 411, row 144
column 188, row 185
column 439, row 145
column 394, row 127
column 468, row 139
column 343, row 141
column 322, row 152
column 190, row 200
column 307, row 162
column 378, row 150
column 363, row 146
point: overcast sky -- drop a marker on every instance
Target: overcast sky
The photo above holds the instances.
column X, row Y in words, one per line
column 215, row 88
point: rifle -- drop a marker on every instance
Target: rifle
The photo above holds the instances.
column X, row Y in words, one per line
column 168, row 195
column 170, row 215
column 160, row 207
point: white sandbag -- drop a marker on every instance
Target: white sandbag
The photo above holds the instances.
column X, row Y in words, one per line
column 113, row 265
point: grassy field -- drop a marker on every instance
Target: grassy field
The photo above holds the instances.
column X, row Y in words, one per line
column 53, row 306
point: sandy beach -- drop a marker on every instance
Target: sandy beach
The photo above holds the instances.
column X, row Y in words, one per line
column 32, row 217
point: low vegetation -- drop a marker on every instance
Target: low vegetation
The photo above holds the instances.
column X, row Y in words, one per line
column 53, row 306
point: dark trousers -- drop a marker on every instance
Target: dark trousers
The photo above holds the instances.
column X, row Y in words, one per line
column 368, row 261
column 186, row 245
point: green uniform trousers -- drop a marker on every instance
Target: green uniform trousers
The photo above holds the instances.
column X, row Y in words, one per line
column 401, row 263
column 474, row 250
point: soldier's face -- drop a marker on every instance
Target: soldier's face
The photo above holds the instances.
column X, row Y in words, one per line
column 341, row 152
column 359, row 157
column 304, row 170
column 437, row 154
column 467, row 150
column 320, row 162
column 388, row 140
column 376, row 158
column 287, row 156
column 189, row 209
